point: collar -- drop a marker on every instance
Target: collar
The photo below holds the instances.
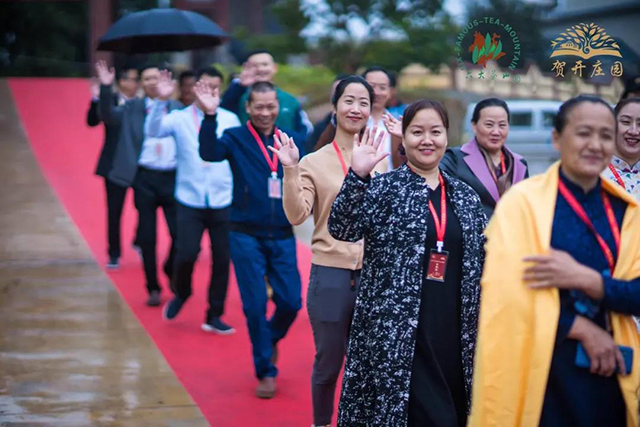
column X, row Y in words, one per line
column 148, row 102
column 576, row 190
column 623, row 166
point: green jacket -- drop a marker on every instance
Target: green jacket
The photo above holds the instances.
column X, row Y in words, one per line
column 289, row 117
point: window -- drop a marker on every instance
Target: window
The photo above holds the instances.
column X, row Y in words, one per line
column 521, row 119
column 547, row 119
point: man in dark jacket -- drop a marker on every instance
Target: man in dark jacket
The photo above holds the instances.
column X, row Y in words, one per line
column 260, row 67
column 146, row 164
column 261, row 239
column 127, row 88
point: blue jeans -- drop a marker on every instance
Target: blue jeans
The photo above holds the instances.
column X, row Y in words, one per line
column 253, row 259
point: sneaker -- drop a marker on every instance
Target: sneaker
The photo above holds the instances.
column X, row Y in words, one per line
column 154, row 299
column 113, row 263
column 266, row 388
column 217, row 326
column 172, row 308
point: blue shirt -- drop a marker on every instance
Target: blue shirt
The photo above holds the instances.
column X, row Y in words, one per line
column 574, row 396
column 199, row 184
column 158, row 151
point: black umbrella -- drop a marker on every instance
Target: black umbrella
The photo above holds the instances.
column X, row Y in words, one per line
column 160, row 30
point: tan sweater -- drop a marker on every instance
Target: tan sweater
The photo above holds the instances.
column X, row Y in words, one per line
column 313, row 185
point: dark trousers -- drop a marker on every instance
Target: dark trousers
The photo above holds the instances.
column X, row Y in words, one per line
column 193, row 222
column 115, row 203
column 152, row 190
column 254, row 259
column 331, row 300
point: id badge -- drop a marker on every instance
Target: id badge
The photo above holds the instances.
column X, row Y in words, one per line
column 275, row 187
column 437, row 265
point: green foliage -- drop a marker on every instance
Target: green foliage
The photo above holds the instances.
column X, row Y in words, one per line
column 312, row 82
column 401, row 32
column 292, row 21
column 43, row 38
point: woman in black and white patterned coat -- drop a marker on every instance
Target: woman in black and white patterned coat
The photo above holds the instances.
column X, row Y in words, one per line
column 412, row 341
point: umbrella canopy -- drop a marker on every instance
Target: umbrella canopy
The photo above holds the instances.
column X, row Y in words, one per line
column 161, row 30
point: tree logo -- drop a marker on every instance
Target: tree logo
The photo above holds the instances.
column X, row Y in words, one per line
column 488, row 39
column 585, row 41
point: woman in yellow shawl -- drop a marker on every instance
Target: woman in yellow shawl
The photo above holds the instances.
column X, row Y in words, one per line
column 552, row 283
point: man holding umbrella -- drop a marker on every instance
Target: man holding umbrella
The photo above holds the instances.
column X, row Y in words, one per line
column 147, row 164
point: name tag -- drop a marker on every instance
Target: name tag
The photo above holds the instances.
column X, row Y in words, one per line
column 437, row 265
column 275, row 188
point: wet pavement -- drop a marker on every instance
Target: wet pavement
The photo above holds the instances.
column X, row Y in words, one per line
column 71, row 351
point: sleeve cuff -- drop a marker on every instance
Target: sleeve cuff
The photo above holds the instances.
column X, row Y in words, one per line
column 366, row 180
column 565, row 322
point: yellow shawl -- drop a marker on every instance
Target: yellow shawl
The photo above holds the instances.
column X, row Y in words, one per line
column 517, row 327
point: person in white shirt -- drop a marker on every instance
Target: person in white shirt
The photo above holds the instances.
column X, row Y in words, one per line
column 380, row 81
column 203, row 192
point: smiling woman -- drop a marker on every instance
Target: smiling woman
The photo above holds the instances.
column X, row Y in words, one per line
column 485, row 163
column 410, row 357
column 560, row 283
column 624, row 168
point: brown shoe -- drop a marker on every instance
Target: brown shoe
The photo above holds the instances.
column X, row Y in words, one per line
column 154, row 299
column 274, row 355
column 266, row 388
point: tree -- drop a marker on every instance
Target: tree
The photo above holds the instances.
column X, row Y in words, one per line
column 43, row 38
column 391, row 33
column 292, row 20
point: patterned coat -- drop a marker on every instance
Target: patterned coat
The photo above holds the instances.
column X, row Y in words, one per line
column 390, row 212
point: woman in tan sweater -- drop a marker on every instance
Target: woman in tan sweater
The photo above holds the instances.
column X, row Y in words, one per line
column 311, row 187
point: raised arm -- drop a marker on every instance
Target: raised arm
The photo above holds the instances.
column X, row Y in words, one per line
column 93, row 116
column 159, row 124
column 212, row 148
column 350, row 214
column 110, row 113
column 237, row 88
column 299, row 190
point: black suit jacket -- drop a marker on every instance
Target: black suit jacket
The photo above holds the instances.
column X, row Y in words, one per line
column 131, row 117
column 111, row 133
column 454, row 164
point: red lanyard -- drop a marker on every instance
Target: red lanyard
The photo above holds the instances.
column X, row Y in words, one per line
column 273, row 163
column 502, row 164
column 615, row 230
column 617, row 176
column 196, row 119
column 342, row 163
column 441, row 223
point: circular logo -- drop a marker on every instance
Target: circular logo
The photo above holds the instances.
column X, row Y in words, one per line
column 488, row 39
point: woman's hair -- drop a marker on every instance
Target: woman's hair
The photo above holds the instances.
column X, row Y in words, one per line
column 560, row 120
column 424, row 104
column 623, row 103
column 413, row 109
column 489, row 102
column 330, row 131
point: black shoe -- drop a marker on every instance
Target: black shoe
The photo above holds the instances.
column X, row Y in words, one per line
column 172, row 308
column 217, row 326
column 113, row 263
column 154, row 299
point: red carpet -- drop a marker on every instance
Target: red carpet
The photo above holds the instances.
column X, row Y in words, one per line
column 216, row 371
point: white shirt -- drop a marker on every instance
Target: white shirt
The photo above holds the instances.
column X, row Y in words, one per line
column 199, row 184
column 157, row 153
column 386, row 144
